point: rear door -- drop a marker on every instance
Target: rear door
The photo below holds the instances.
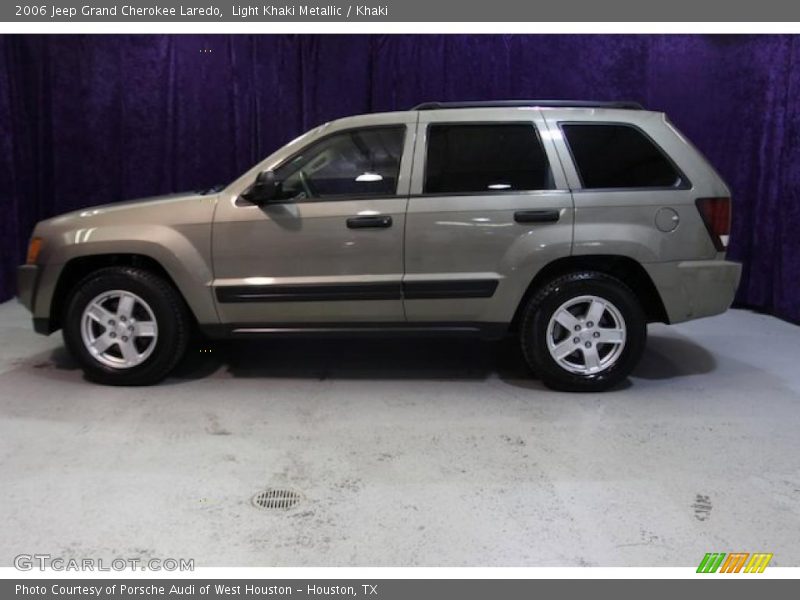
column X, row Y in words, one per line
column 489, row 206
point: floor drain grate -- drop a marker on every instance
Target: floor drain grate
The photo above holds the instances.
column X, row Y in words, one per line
column 277, row 499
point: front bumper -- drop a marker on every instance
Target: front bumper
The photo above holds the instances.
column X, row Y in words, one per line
column 27, row 279
column 697, row 288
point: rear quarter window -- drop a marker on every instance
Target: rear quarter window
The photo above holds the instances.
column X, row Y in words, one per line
column 618, row 156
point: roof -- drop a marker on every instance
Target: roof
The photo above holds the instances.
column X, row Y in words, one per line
column 530, row 103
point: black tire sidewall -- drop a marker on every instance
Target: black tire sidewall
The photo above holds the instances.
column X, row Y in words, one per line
column 553, row 296
column 166, row 307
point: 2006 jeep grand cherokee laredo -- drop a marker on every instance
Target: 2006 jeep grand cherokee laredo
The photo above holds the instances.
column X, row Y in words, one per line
column 571, row 224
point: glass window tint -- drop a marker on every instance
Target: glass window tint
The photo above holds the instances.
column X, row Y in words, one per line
column 485, row 158
column 359, row 162
column 618, row 156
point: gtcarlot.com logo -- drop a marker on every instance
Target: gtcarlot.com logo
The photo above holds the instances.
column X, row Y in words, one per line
column 43, row 562
column 735, row 562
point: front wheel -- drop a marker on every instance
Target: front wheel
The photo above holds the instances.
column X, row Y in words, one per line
column 583, row 332
column 126, row 326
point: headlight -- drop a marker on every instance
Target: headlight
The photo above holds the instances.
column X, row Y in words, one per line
column 34, row 247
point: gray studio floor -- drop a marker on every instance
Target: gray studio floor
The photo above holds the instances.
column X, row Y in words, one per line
column 408, row 453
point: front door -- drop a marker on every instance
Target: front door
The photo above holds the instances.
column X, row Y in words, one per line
column 330, row 248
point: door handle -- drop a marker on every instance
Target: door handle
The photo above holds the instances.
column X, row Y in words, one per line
column 537, row 216
column 371, row 222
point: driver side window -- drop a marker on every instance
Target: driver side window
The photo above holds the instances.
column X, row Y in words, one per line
column 357, row 162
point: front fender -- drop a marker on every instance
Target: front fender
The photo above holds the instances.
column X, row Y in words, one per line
column 183, row 252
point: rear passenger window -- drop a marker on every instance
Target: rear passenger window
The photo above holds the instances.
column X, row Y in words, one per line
column 618, row 156
column 487, row 158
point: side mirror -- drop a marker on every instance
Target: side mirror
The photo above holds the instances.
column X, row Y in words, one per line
column 264, row 189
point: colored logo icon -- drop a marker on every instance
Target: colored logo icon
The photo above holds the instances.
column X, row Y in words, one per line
column 735, row 562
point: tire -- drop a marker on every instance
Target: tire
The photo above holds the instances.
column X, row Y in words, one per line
column 557, row 320
column 158, row 326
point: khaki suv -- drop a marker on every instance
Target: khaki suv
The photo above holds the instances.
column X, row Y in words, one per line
column 570, row 224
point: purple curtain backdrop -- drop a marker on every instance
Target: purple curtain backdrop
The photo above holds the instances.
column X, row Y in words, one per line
column 91, row 119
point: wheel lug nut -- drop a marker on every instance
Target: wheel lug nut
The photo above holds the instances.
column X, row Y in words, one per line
column 576, row 340
column 588, row 344
column 124, row 338
column 130, row 328
column 590, row 324
column 577, row 327
column 111, row 322
column 596, row 334
column 123, row 319
column 112, row 335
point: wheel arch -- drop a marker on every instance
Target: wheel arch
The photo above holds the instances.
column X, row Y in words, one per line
column 80, row 267
column 624, row 268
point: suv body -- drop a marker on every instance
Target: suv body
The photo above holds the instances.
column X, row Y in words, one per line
column 467, row 217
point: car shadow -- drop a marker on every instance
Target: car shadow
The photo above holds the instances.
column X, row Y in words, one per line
column 671, row 356
column 348, row 358
column 665, row 357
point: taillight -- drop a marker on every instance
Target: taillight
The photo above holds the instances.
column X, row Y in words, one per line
column 716, row 213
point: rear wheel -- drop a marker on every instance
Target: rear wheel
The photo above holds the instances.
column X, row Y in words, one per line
column 126, row 326
column 583, row 332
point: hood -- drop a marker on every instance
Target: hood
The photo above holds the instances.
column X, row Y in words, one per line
column 141, row 209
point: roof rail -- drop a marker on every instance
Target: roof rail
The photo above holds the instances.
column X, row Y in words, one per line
column 529, row 103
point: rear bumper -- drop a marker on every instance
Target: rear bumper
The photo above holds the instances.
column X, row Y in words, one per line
column 695, row 289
